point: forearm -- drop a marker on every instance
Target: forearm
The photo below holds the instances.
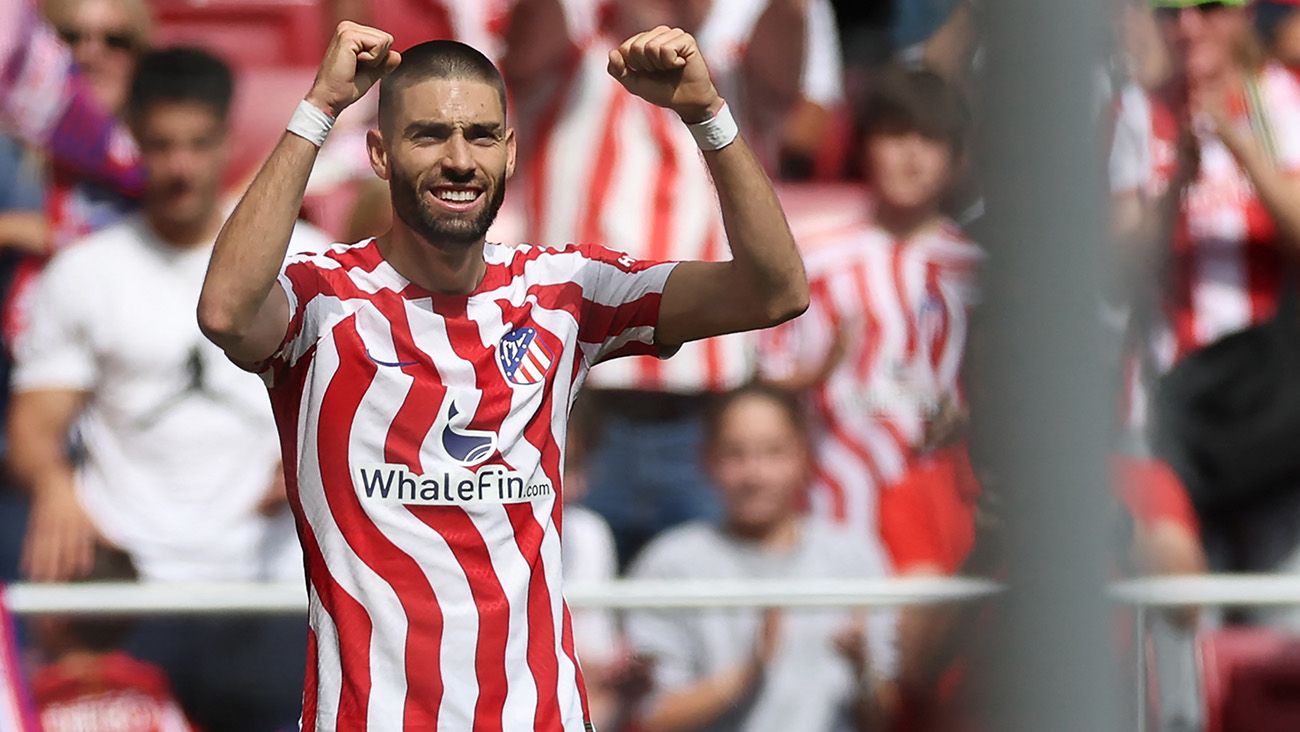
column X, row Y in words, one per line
column 38, row 438
column 765, row 257
column 251, row 247
column 702, row 703
column 24, row 231
column 774, row 57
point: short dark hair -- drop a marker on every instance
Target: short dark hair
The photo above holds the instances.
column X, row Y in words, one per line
column 441, row 59
column 789, row 402
column 905, row 100
column 180, row 74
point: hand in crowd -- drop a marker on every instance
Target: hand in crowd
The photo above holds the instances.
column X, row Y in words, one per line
column 357, row 57
column 946, row 427
column 664, row 66
column 60, row 542
column 851, row 643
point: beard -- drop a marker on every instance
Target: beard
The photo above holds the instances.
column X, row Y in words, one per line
column 438, row 228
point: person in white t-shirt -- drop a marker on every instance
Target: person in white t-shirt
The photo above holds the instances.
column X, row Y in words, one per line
column 178, row 456
column 775, row 670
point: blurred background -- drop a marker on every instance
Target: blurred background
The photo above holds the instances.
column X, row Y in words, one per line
column 1054, row 341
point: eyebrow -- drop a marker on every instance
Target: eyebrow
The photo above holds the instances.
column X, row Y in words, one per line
column 438, row 127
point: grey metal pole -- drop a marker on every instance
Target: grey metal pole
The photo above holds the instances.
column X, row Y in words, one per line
column 1045, row 404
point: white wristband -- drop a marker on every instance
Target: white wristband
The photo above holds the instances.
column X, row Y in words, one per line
column 310, row 123
column 716, row 132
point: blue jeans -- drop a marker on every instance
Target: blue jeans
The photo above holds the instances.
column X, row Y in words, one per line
column 646, row 477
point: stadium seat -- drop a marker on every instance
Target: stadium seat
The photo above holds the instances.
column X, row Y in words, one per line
column 264, row 100
column 247, row 33
column 1252, row 680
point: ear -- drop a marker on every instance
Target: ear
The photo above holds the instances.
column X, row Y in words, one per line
column 378, row 153
column 510, row 152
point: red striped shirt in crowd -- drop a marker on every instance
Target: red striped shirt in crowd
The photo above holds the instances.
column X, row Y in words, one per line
column 893, row 315
column 1225, row 266
column 424, row 435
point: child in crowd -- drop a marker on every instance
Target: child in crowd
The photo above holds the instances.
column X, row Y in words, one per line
column 751, row 669
column 879, row 352
column 88, row 682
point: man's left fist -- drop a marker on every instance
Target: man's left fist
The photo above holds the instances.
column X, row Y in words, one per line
column 664, row 67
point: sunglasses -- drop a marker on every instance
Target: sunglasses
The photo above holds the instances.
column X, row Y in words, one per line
column 115, row 40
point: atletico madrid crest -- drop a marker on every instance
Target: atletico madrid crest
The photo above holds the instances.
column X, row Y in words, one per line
column 523, row 358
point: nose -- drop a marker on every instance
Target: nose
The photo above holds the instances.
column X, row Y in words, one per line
column 1189, row 20
column 457, row 159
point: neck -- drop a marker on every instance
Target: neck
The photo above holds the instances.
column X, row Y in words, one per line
column 186, row 234
column 903, row 223
column 781, row 535
column 451, row 270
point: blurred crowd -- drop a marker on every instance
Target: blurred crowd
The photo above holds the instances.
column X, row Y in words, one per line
column 840, row 445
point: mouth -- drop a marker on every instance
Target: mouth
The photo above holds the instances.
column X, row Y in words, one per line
column 456, row 198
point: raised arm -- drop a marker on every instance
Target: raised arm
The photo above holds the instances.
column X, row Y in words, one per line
column 775, row 56
column 764, row 284
column 241, row 309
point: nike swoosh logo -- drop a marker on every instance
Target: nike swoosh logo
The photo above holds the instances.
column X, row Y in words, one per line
column 394, row 364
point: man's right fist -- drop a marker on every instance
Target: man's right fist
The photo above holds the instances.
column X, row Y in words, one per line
column 357, row 57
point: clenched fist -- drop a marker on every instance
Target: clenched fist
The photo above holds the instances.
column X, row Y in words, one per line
column 357, row 57
column 664, row 67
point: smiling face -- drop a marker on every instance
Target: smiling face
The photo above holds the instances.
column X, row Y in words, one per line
column 446, row 153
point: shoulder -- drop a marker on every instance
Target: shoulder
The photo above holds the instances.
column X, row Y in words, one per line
column 951, row 243
column 585, row 526
column 843, row 551
column 111, row 250
column 677, row 551
column 828, row 253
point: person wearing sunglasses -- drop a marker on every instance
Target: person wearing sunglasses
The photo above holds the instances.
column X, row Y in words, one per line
column 1208, row 208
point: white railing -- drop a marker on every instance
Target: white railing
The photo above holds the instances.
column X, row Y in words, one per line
column 158, row 598
column 1143, row 594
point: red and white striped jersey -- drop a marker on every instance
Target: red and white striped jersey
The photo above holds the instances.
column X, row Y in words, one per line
column 896, row 314
column 1225, row 265
column 424, row 436
column 604, row 166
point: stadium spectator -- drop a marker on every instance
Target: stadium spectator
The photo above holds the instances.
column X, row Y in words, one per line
column 178, row 449
column 881, row 348
column 88, row 682
column 603, row 167
column 758, row 669
column 1279, row 24
column 105, row 38
column 1207, row 208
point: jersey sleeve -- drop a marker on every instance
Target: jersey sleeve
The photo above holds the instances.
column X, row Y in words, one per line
column 620, row 304
column 823, row 71
column 1130, row 166
column 1283, row 104
column 56, row 351
column 303, row 284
